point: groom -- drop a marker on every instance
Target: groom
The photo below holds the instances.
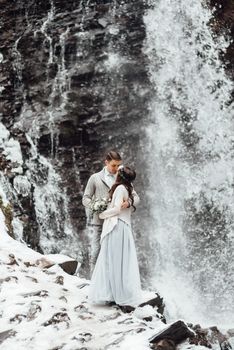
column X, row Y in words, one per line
column 98, row 187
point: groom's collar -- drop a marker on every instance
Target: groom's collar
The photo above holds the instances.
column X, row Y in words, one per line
column 102, row 175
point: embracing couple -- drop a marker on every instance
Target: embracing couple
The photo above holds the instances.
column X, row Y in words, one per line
column 114, row 266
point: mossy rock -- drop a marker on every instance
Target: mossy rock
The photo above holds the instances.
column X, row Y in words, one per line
column 8, row 213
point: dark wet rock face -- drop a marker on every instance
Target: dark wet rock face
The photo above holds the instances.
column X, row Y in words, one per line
column 74, row 84
column 223, row 23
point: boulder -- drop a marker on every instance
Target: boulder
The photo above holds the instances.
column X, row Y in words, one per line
column 173, row 335
column 210, row 336
column 68, row 264
column 6, row 334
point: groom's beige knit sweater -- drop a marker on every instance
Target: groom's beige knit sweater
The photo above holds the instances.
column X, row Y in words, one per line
column 96, row 188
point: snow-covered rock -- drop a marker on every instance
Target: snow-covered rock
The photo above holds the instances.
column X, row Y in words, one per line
column 48, row 308
column 43, row 307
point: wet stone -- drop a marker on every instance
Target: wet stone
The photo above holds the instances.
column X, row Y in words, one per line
column 33, row 311
column 18, row 318
column 230, row 332
column 12, row 260
column 7, row 334
column 59, row 280
column 11, row 278
column 58, row 318
column 40, row 293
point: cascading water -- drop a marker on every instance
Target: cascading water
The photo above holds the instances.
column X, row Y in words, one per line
column 39, row 177
column 191, row 156
column 12, row 156
column 50, row 206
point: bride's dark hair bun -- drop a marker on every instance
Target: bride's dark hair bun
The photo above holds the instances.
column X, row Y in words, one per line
column 126, row 173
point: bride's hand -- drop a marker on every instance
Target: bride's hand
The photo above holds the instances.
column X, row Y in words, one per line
column 125, row 204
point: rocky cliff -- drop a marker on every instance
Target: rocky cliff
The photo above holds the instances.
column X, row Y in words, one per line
column 73, row 85
column 224, row 24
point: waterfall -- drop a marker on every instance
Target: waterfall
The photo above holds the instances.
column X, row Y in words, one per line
column 56, row 234
column 191, row 161
column 43, row 30
column 11, row 162
column 35, row 176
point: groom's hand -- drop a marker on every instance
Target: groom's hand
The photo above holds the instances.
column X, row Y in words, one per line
column 125, row 205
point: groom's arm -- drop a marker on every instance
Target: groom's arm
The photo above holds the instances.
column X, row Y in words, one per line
column 89, row 192
column 136, row 198
column 127, row 203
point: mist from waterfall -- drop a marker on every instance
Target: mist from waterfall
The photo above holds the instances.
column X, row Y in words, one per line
column 191, row 161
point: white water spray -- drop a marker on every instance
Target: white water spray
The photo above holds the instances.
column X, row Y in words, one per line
column 191, row 150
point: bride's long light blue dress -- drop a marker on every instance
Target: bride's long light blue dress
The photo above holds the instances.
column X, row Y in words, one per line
column 116, row 274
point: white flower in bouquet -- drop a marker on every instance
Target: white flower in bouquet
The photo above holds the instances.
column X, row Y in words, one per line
column 98, row 206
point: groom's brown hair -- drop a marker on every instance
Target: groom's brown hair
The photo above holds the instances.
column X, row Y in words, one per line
column 113, row 155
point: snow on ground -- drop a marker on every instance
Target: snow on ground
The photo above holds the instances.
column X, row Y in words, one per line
column 48, row 309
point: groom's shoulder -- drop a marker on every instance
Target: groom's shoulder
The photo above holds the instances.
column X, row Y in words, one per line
column 97, row 175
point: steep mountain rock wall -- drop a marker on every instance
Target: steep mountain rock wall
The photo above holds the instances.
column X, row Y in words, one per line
column 73, row 85
column 224, row 24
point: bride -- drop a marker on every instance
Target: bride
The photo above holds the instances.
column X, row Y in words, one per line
column 116, row 275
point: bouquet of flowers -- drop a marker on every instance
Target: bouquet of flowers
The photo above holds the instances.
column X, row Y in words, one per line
column 98, row 206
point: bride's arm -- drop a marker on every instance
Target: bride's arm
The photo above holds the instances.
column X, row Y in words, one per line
column 136, row 198
column 118, row 198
